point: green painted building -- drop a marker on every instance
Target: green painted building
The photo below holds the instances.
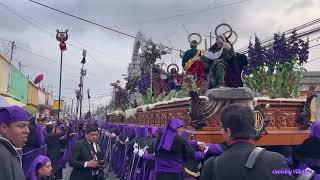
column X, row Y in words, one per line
column 18, row 86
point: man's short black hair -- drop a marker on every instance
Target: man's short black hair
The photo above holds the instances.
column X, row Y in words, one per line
column 49, row 128
column 240, row 120
column 91, row 128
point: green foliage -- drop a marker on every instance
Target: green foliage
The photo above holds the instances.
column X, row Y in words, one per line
column 277, row 69
column 189, row 84
column 281, row 80
column 149, row 98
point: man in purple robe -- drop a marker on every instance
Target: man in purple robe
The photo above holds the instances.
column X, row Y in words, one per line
column 192, row 167
column 35, row 144
column 172, row 151
column 308, row 153
column 14, row 130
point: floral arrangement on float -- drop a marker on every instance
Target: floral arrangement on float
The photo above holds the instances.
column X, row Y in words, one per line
column 276, row 70
column 159, row 94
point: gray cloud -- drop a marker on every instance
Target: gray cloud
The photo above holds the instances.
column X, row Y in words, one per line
column 300, row 4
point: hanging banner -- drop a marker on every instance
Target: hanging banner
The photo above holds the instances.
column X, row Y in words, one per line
column 56, row 104
column 19, row 85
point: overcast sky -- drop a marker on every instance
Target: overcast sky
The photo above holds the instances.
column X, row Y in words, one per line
column 109, row 53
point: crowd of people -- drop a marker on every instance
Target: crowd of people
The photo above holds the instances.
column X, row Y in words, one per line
column 40, row 149
column 35, row 149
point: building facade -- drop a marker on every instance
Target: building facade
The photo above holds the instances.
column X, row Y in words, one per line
column 4, row 75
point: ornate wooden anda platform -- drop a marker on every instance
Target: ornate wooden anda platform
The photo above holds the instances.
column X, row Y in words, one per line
column 284, row 122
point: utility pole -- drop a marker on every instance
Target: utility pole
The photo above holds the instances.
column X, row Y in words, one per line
column 13, row 45
column 71, row 107
column 78, row 95
column 83, row 72
column 88, row 91
column 20, row 67
column 65, row 106
column 210, row 39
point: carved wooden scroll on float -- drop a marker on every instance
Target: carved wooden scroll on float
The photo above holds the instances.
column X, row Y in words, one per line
column 197, row 117
column 304, row 118
column 261, row 120
column 208, row 113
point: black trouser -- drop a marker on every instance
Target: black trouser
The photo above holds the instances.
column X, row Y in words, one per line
column 56, row 174
column 169, row 176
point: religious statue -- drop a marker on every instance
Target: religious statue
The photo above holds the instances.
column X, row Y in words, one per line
column 222, row 65
column 62, row 37
column 132, row 83
column 84, row 54
column 154, row 51
column 191, row 60
column 214, row 60
column 120, row 96
column 78, row 94
column 173, row 80
column 88, row 116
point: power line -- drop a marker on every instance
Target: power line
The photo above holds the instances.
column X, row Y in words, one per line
column 309, row 32
column 48, row 59
column 183, row 14
column 82, row 19
column 314, row 46
column 5, row 40
column 91, row 22
column 314, row 59
column 47, row 29
column 43, row 57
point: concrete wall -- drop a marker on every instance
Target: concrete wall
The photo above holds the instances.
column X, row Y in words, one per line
column 32, row 94
column 4, row 74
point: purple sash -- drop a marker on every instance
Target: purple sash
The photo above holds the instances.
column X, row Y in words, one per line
column 169, row 164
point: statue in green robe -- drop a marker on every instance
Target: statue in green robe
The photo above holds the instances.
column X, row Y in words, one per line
column 214, row 61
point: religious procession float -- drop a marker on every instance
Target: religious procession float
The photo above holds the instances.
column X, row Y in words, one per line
column 265, row 76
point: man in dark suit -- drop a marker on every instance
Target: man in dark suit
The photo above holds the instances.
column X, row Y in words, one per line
column 238, row 128
column 86, row 157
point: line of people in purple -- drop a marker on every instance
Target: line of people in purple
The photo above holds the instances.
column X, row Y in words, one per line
column 33, row 149
column 151, row 153
column 39, row 151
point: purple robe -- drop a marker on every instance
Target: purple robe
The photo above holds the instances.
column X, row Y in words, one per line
column 169, row 134
column 169, row 162
column 315, row 130
column 215, row 149
column 316, row 177
column 29, row 154
column 37, row 163
column 148, row 166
